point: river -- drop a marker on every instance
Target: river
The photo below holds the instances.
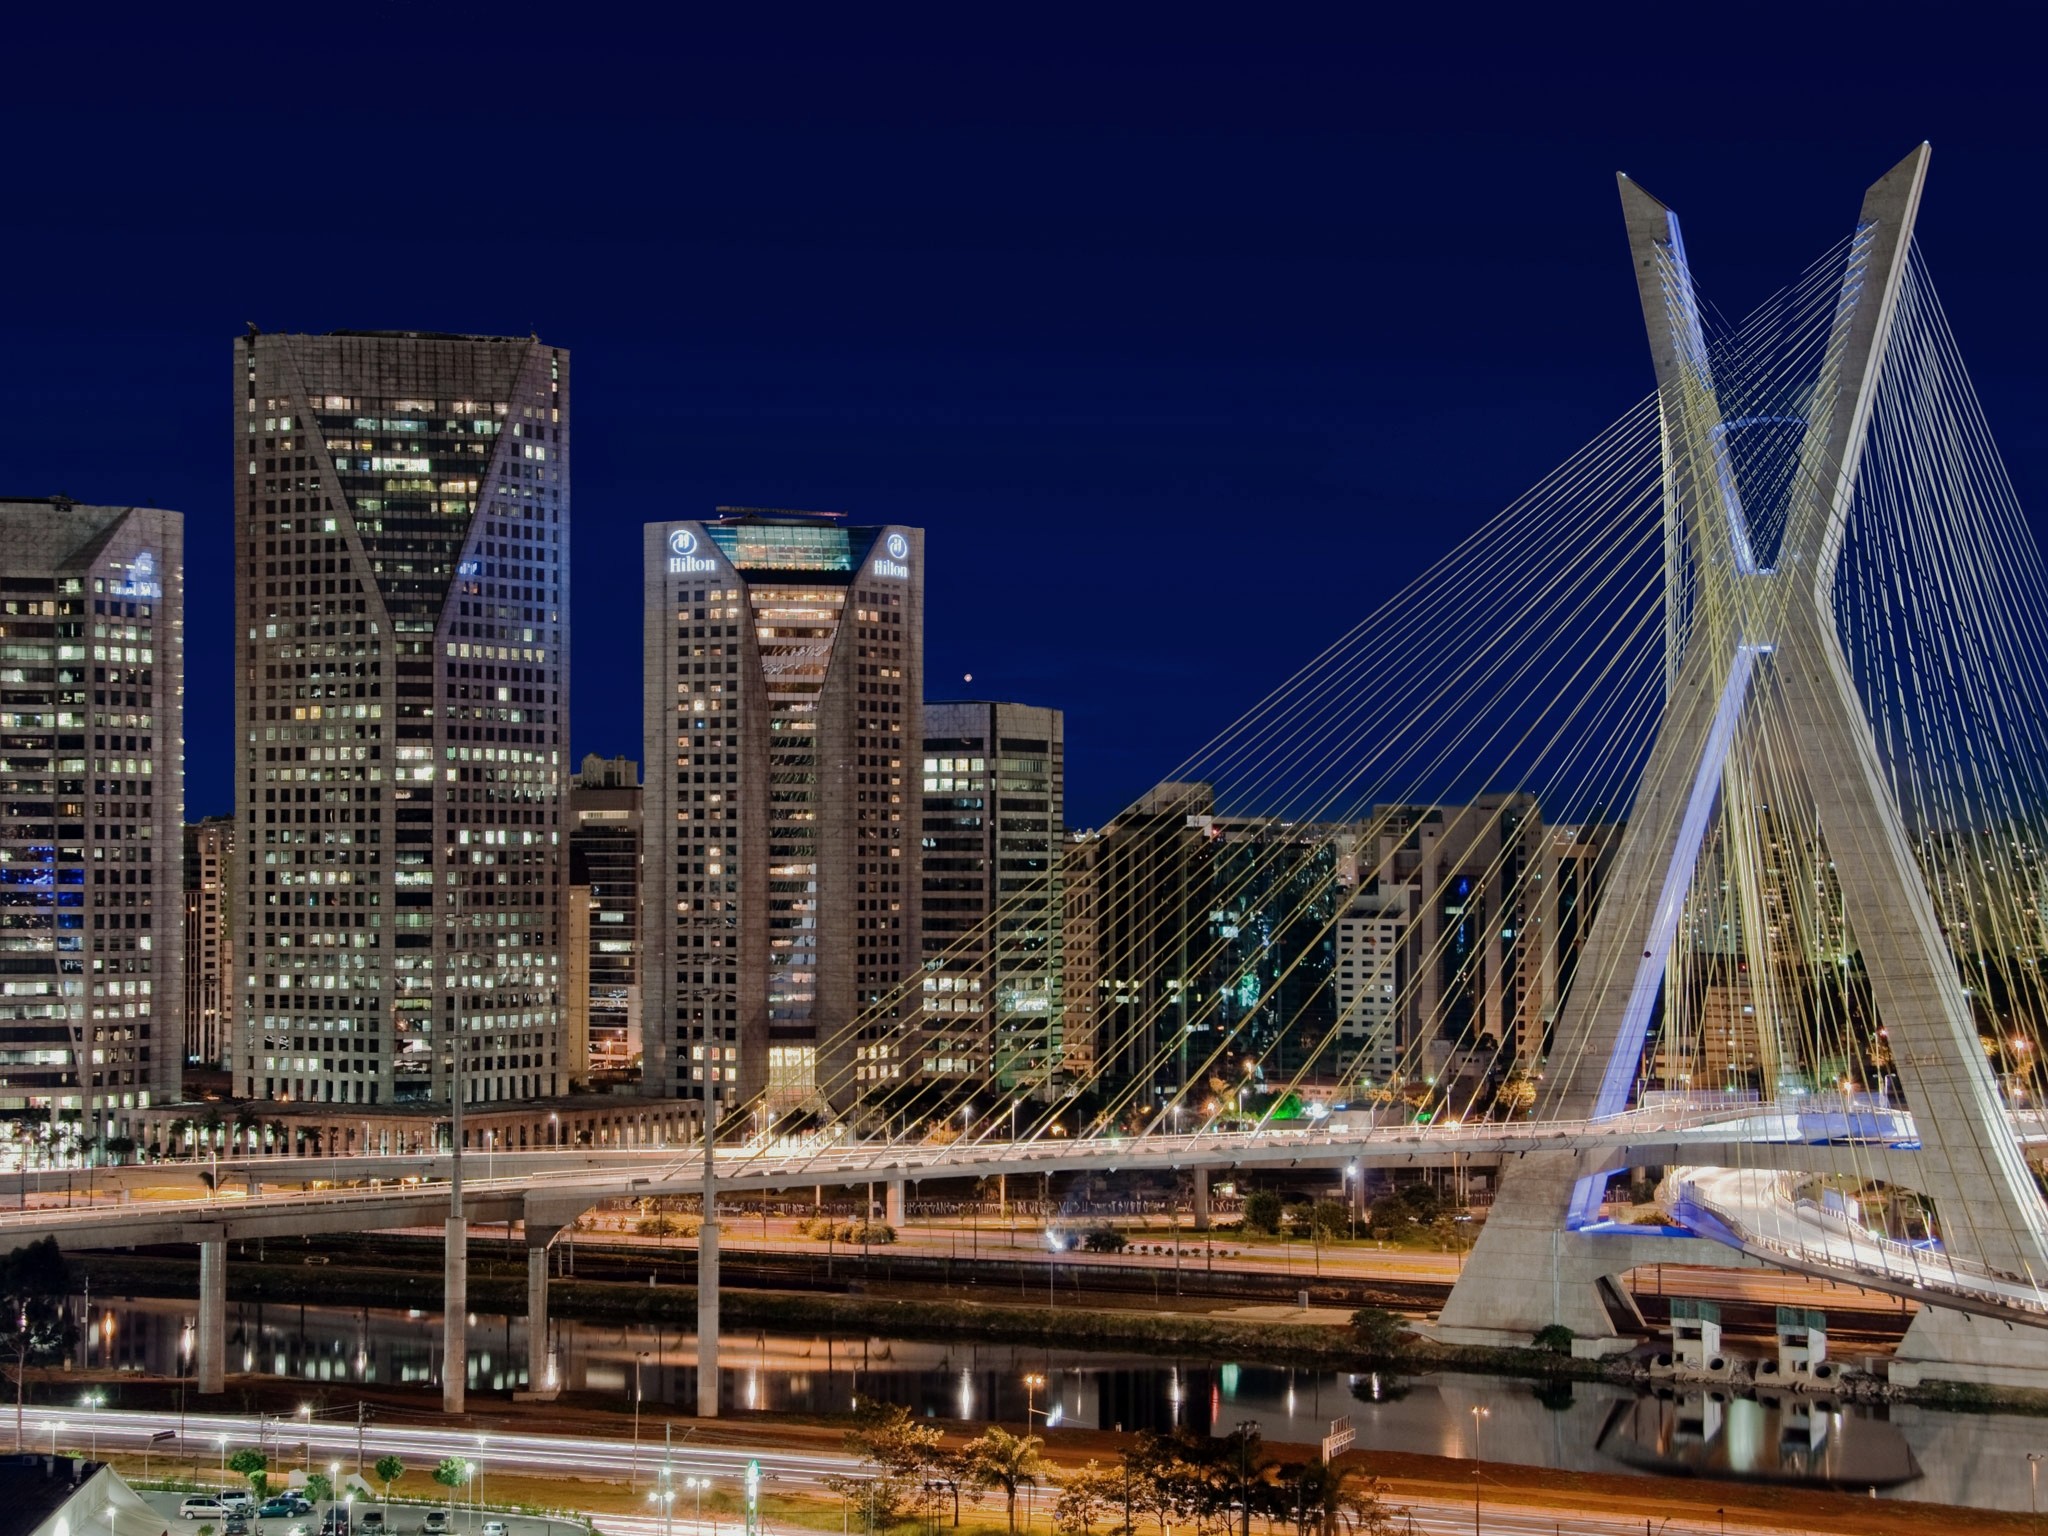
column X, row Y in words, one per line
column 1900, row 1452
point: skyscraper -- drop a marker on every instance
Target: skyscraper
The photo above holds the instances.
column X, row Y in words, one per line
column 992, row 835
column 402, row 532
column 92, row 663
column 783, row 675
column 604, row 860
column 209, row 943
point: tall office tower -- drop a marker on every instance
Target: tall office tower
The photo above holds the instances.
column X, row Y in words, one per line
column 604, row 861
column 402, row 657
column 784, row 670
column 1457, row 912
column 209, row 943
column 994, row 788
column 92, row 781
column 1080, row 954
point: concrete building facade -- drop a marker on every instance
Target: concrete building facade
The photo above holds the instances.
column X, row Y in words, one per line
column 604, row 862
column 783, row 676
column 992, row 844
column 402, row 517
column 209, row 943
column 92, row 676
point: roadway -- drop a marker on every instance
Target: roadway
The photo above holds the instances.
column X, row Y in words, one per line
column 784, row 1469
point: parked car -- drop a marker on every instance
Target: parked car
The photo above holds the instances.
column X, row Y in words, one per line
column 202, row 1506
column 372, row 1522
column 238, row 1525
column 283, row 1507
column 239, row 1499
column 334, row 1522
column 494, row 1528
column 436, row 1523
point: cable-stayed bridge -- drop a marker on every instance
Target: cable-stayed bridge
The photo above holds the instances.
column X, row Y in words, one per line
column 1692, row 814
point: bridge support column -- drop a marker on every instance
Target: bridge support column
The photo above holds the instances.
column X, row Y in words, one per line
column 892, row 1203
column 1201, row 1201
column 455, row 1316
column 540, row 1352
column 1941, row 1345
column 213, row 1317
column 707, row 1314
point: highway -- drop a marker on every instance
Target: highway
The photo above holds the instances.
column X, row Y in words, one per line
column 792, row 1471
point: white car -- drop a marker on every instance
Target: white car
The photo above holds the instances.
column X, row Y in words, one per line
column 494, row 1528
column 202, row 1507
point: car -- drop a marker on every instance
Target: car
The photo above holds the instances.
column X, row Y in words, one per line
column 238, row 1525
column 372, row 1522
column 283, row 1507
column 494, row 1528
column 238, row 1498
column 334, row 1522
column 202, row 1507
column 436, row 1523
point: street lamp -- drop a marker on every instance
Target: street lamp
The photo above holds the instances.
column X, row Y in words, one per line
column 2034, row 1485
column 334, row 1480
column 633, row 1474
column 697, row 1485
column 1032, row 1383
column 54, row 1428
column 1479, row 1414
column 481, row 1442
column 92, row 1402
column 222, row 1442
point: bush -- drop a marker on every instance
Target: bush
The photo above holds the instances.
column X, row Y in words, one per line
column 1379, row 1333
column 1262, row 1212
column 1104, row 1240
column 1556, row 1339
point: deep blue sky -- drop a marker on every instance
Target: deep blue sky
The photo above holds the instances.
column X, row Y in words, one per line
column 1188, row 342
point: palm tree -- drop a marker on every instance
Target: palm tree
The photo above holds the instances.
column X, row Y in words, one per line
column 181, row 1131
column 247, row 1124
column 274, row 1132
column 1002, row 1460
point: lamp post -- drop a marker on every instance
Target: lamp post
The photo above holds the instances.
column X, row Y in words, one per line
column 2034, row 1485
column 1479, row 1413
column 697, row 1485
column 222, row 1442
column 334, row 1482
column 481, row 1441
column 1032, row 1383
column 306, row 1418
column 633, row 1474
column 91, row 1402
column 54, row 1428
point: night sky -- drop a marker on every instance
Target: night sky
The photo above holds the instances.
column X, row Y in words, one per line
column 1187, row 342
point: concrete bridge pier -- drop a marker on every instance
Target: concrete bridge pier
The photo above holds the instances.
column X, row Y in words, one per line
column 455, row 1316
column 540, row 1353
column 1201, row 1199
column 213, row 1317
column 892, row 1204
column 707, row 1313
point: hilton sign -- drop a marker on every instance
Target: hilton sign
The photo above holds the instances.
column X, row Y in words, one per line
column 892, row 564
column 683, row 559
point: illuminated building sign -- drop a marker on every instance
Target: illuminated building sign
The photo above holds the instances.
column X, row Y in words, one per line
column 683, row 559
column 141, row 580
column 898, row 548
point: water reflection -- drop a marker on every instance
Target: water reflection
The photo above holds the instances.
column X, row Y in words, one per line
column 1581, row 1426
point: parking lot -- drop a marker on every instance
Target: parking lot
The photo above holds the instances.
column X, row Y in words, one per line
column 398, row 1520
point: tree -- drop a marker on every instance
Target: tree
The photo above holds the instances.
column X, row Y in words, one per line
column 1554, row 1339
column 253, row 1465
column 181, row 1131
column 389, row 1469
column 35, row 1284
column 1379, row 1334
column 999, row 1459
column 319, row 1487
column 1262, row 1211
column 449, row 1473
column 1328, row 1220
column 1365, row 1509
column 1085, row 1497
column 247, row 1124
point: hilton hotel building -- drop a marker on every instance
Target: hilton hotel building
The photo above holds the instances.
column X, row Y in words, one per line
column 784, row 674
column 402, row 693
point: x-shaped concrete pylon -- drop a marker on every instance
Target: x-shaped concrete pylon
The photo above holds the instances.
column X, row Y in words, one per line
column 1749, row 621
